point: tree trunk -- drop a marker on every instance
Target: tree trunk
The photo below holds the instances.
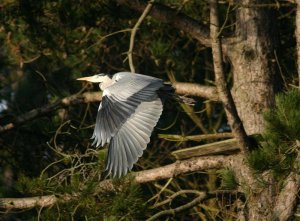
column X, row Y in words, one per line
column 252, row 56
column 253, row 64
column 297, row 33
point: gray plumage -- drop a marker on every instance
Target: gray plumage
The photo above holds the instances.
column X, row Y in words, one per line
column 129, row 111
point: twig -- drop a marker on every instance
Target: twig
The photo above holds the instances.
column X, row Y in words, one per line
column 109, row 35
column 133, row 33
column 223, row 91
column 162, row 190
column 179, row 209
column 172, row 17
column 170, row 198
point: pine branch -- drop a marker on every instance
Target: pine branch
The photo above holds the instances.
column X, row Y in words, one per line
column 164, row 172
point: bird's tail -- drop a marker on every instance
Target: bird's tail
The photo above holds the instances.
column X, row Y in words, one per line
column 167, row 92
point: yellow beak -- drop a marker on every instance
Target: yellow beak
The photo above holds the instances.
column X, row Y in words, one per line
column 85, row 79
column 93, row 79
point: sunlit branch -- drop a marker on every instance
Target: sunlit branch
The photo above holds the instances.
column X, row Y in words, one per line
column 164, row 172
column 189, row 89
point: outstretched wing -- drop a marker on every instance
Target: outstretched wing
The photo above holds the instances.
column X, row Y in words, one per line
column 132, row 138
column 120, row 101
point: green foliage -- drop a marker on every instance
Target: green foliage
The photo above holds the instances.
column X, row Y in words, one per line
column 128, row 203
column 32, row 186
column 278, row 149
column 125, row 201
column 228, row 180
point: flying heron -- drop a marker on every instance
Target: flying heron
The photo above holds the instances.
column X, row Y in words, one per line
column 130, row 108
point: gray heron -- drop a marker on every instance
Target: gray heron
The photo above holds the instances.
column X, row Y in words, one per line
column 130, row 108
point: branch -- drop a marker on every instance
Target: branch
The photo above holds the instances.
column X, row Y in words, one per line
column 67, row 101
column 133, row 32
column 29, row 202
column 164, row 172
column 223, row 91
column 227, row 146
column 192, row 89
column 88, row 97
column 287, row 199
column 172, row 17
column 183, row 138
column 182, row 167
column 179, row 209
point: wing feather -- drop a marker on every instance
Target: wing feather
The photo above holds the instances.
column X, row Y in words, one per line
column 132, row 138
column 119, row 102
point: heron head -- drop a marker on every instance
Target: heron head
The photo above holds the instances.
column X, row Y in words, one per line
column 98, row 78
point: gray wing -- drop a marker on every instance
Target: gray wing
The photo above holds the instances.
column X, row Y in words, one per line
column 132, row 138
column 120, row 101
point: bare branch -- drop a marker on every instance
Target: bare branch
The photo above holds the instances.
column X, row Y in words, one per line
column 174, row 195
column 133, row 32
column 29, row 202
column 88, row 97
column 182, row 167
column 227, row 146
column 189, row 205
column 223, row 91
column 172, row 17
column 192, row 89
column 182, row 138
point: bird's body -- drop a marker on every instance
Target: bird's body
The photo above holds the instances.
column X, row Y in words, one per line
column 129, row 110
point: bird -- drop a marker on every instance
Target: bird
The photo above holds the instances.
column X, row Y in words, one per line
column 130, row 108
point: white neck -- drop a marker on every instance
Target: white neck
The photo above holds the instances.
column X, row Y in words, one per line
column 106, row 82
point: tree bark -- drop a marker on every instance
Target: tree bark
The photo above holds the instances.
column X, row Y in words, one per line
column 253, row 63
column 297, row 33
column 252, row 57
